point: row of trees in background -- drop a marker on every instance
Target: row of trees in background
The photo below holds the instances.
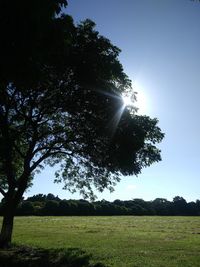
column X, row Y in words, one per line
column 47, row 205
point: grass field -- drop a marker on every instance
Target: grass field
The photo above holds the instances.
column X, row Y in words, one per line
column 118, row 241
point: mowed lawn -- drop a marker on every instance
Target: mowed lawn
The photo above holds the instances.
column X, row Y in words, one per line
column 118, row 241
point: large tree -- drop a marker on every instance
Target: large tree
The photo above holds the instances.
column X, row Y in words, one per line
column 61, row 102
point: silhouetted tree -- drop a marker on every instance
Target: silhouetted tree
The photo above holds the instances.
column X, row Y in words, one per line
column 52, row 197
column 25, row 208
column 41, row 205
column 179, row 206
column 161, row 206
column 61, row 102
column 198, row 206
column 64, row 207
column 38, row 197
column 192, row 209
column 51, row 208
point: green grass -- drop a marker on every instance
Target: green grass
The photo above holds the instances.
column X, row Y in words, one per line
column 118, row 241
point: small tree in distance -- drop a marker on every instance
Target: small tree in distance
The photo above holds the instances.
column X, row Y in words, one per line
column 61, row 102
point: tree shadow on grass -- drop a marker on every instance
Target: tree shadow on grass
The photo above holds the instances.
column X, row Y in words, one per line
column 23, row 256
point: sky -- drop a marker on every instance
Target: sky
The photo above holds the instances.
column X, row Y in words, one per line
column 160, row 41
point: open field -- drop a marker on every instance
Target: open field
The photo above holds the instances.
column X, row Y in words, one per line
column 118, row 241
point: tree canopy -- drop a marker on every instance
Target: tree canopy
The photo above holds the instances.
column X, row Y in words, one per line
column 61, row 102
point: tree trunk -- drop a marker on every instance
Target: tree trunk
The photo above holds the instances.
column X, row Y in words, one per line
column 7, row 229
column 11, row 202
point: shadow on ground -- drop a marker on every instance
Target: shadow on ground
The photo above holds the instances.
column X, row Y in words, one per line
column 23, row 256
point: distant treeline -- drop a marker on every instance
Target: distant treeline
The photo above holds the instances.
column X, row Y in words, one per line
column 46, row 205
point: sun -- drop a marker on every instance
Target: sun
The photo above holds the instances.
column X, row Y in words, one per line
column 138, row 99
column 127, row 100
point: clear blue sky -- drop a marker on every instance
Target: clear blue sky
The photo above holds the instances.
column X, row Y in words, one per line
column 160, row 42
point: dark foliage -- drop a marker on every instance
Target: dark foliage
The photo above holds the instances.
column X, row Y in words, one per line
column 41, row 205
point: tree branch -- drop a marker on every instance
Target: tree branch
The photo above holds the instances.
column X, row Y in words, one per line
column 36, row 163
column 47, row 155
